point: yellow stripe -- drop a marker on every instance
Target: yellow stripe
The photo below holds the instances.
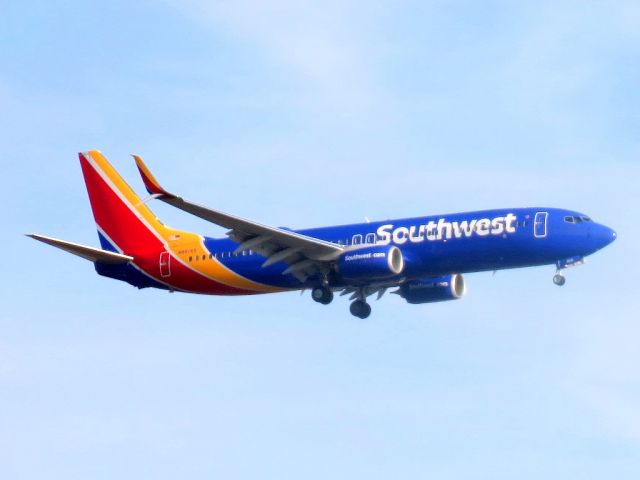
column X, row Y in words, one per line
column 147, row 172
column 178, row 241
column 192, row 245
column 126, row 191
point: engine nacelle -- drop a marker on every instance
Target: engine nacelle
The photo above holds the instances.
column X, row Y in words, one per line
column 376, row 262
column 433, row 289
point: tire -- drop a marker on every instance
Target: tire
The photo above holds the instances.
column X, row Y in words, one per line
column 559, row 279
column 360, row 309
column 322, row 295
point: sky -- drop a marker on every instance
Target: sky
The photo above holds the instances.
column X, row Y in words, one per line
column 305, row 114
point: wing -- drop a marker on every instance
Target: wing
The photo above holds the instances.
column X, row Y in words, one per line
column 88, row 253
column 305, row 255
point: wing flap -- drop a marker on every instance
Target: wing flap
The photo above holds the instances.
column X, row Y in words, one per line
column 271, row 239
column 84, row 251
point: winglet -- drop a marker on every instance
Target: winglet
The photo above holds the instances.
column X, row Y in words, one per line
column 150, row 182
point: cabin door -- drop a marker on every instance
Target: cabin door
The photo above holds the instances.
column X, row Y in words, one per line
column 165, row 264
column 540, row 225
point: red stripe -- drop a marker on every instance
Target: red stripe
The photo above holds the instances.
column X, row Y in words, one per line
column 151, row 187
column 127, row 231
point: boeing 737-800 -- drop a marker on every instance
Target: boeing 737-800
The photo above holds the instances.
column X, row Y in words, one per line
column 423, row 257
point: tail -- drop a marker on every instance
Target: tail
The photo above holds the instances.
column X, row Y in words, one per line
column 125, row 223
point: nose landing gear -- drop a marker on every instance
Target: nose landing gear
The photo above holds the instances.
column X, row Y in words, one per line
column 561, row 265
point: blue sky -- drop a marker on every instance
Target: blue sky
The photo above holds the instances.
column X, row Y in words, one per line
column 304, row 114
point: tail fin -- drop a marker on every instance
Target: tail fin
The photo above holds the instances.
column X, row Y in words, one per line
column 125, row 223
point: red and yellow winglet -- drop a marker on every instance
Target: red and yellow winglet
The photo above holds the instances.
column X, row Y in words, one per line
column 150, row 182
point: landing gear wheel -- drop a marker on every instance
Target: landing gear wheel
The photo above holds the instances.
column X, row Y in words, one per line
column 322, row 295
column 559, row 279
column 360, row 309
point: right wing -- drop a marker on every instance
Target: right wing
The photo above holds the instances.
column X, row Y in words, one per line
column 305, row 255
column 88, row 253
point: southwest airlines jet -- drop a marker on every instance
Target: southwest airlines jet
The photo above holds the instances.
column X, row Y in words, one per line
column 423, row 257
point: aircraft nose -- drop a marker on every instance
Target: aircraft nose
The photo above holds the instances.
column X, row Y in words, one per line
column 605, row 235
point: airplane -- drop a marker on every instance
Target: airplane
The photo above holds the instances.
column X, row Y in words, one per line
column 423, row 257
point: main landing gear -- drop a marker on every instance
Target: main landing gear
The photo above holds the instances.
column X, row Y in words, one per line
column 322, row 295
column 360, row 309
column 559, row 279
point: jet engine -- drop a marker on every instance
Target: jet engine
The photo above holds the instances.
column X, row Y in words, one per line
column 433, row 289
column 376, row 262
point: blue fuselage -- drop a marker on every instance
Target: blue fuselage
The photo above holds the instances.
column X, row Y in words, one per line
column 444, row 244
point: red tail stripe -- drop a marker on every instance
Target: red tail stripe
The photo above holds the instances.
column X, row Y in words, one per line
column 130, row 234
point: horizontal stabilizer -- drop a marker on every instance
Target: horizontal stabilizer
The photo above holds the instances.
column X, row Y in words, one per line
column 88, row 253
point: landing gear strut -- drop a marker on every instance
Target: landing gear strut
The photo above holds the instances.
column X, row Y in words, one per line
column 322, row 295
column 561, row 265
column 360, row 309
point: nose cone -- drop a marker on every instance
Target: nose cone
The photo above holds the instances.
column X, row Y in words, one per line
column 604, row 236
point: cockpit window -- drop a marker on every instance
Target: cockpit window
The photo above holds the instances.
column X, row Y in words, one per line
column 576, row 219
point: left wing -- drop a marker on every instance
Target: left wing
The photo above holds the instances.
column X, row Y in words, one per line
column 305, row 255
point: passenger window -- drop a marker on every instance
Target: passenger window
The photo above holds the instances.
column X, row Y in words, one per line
column 190, row 258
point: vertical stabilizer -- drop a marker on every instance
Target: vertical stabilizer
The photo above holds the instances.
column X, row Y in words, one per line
column 125, row 223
